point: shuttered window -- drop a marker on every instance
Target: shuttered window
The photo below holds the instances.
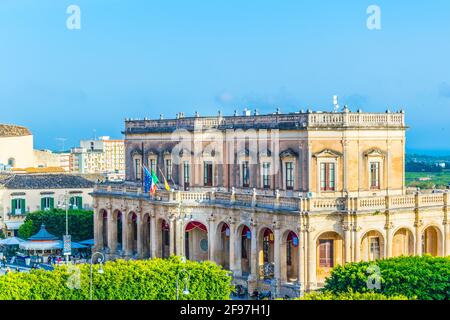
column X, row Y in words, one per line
column 18, row 206
column 76, row 203
column 47, row 203
column 326, row 253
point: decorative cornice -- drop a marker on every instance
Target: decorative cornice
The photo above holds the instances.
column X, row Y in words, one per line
column 327, row 153
column 375, row 152
column 288, row 153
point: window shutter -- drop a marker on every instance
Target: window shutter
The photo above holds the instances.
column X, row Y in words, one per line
column 52, row 203
column 42, row 203
column 13, row 206
column 80, row 203
column 22, row 205
column 71, row 202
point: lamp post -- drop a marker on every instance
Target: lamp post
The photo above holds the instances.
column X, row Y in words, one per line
column 186, row 282
column 65, row 199
column 183, row 217
column 100, row 270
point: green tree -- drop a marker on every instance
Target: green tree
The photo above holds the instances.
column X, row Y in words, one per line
column 153, row 279
column 421, row 277
column 81, row 223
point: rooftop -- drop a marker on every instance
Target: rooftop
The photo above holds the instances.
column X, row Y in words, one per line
column 301, row 120
column 44, row 181
column 11, row 130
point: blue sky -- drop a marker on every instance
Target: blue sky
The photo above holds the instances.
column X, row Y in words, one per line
column 142, row 58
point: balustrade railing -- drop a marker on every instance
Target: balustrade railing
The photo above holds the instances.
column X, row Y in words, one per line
column 294, row 203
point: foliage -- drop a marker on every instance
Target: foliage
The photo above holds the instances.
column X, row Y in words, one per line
column 122, row 280
column 350, row 295
column 81, row 223
column 2, row 234
column 424, row 278
column 437, row 179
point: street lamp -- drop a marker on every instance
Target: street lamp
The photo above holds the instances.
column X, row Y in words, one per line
column 65, row 199
column 100, row 270
column 186, row 282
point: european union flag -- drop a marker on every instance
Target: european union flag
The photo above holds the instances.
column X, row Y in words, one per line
column 147, row 180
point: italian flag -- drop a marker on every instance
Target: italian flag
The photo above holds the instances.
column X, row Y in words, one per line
column 153, row 183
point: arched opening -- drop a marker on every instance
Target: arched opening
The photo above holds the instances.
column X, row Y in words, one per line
column 146, row 236
column 290, row 257
column 431, row 239
column 104, row 228
column 165, row 239
column 196, row 241
column 132, row 232
column 223, row 245
column 243, row 251
column 329, row 253
column 403, row 243
column 266, row 254
column 372, row 245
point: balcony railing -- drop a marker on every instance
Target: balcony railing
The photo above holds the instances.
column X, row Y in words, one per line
column 278, row 202
column 297, row 120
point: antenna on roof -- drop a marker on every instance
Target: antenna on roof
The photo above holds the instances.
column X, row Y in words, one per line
column 335, row 103
column 63, row 140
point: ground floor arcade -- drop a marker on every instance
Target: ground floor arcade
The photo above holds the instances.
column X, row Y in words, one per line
column 283, row 251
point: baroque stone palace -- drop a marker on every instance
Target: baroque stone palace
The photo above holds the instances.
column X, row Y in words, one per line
column 278, row 199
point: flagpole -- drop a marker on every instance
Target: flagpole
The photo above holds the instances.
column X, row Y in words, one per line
column 142, row 175
column 166, row 183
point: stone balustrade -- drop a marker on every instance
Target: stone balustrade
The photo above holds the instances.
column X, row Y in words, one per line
column 275, row 201
column 296, row 119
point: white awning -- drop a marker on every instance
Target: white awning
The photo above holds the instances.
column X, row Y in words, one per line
column 13, row 225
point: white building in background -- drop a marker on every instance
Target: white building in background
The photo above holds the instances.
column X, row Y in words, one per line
column 18, row 154
column 16, row 147
column 103, row 155
column 21, row 194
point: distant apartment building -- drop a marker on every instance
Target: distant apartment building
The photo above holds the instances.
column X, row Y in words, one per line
column 103, row 155
column 21, row 194
column 64, row 160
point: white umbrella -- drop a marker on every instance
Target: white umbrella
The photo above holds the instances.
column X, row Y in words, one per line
column 12, row 241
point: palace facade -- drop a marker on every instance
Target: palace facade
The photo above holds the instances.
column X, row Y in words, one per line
column 277, row 199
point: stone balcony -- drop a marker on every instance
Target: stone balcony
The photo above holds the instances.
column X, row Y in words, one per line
column 277, row 201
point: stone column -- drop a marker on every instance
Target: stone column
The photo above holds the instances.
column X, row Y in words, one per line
column 309, row 167
column 388, row 242
column 357, row 244
column 254, row 260
column 112, row 233
column 347, row 244
column 211, row 239
column 446, row 238
column 172, row 236
column 153, row 234
column 446, row 225
column 277, row 260
column 98, row 238
column 140, row 236
column 125, row 230
column 418, row 236
column 302, row 261
column 179, row 247
column 312, row 272
column 233, row 242
column 345, row 164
